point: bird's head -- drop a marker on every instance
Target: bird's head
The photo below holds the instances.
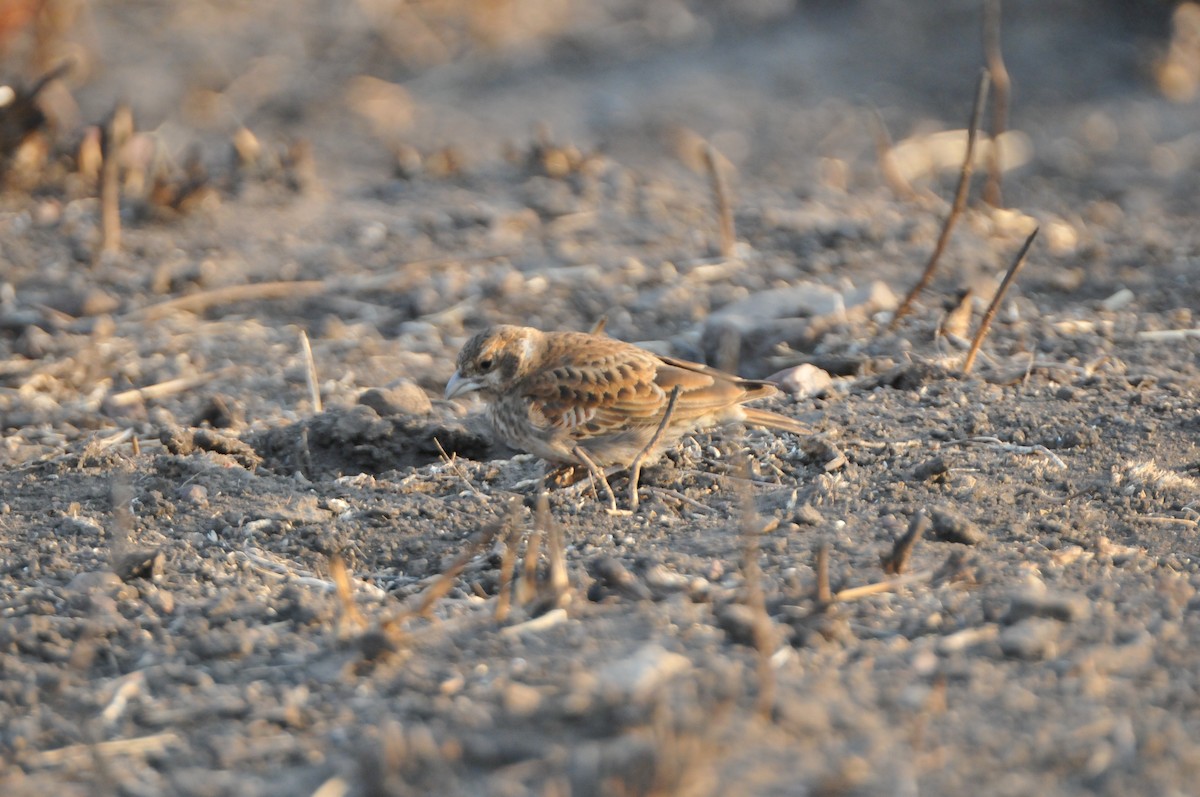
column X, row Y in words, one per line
column 493, row 360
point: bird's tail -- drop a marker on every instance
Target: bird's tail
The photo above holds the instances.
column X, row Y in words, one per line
column 773, row 420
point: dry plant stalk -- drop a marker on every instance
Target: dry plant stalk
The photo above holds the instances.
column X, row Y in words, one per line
column 887, row 167
column 116, row 134
column 960, row 201
column 527, row 588
column 257, row 291
column 764, row 642
column 441, row 586
column 887, row 585
column 897, row 562
column 339, row 574
column 986, row 323
column 995, row 62
column 556, row 552
column 635, row 467
column 598, row 327
column 504, row 597
column 452, row 463
column 310, row 373
column 726, row 230
column 824, row 593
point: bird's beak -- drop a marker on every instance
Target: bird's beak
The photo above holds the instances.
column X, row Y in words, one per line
column 458, row 385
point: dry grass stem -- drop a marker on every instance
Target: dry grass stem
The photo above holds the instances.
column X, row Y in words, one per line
column 824, row 593
column 956, row 209
column 995, row 442
column 986, row 322
column 441, row 586
column 507, row 561
column 340, row 575
column 257, row 291
column 992, row 193
column 161, row 390
column 539, row 623
column 894, row 178
column 854, row 593
column 728, row 235
column 533, row 548
column 1163, row 335
column 755, row 599
column 452, row 463
column 116, row 134
column 556, row 552
column 635, row 467
column 310, row 373
column 598, row 327
column 81, row 753
column 897, row 562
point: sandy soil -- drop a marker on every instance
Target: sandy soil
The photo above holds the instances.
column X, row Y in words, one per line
column 175, row 511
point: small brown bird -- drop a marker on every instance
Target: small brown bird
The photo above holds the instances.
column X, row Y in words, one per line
column 580, row 398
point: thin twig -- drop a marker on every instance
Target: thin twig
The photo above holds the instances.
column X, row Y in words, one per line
column 728, row 235
column 986, row 323
column 854, row 593
column 452, row 463
column 995, row 61
column 960, row 201
column 675, row 495
column 598, row 327
column 995, row 442
column 897, row 562
column 635, row 467
column 310, row 373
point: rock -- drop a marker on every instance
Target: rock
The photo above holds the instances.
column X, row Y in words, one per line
column 950, row 526
column 34, row 343
column 221, row 412
column 803, row 380
column 405, row 398
column 934, row 470
column 612, row 577
column 739, row 621
column 808, row 515
column 520, row 700
column 639, row 677
column 1056, row 606
column 139, row 563
column 1033, row 638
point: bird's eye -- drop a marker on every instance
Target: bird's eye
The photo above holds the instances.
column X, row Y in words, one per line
column 485, row 365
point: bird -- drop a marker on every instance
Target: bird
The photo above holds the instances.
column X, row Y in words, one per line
column 580, row 398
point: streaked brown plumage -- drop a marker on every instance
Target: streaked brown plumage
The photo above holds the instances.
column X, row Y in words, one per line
column 556, row 393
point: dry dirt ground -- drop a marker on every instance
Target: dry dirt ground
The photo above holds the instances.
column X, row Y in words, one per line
column 174, row 507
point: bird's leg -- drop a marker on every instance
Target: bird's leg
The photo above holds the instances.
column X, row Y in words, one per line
column 635, row 467
column 597, row 474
